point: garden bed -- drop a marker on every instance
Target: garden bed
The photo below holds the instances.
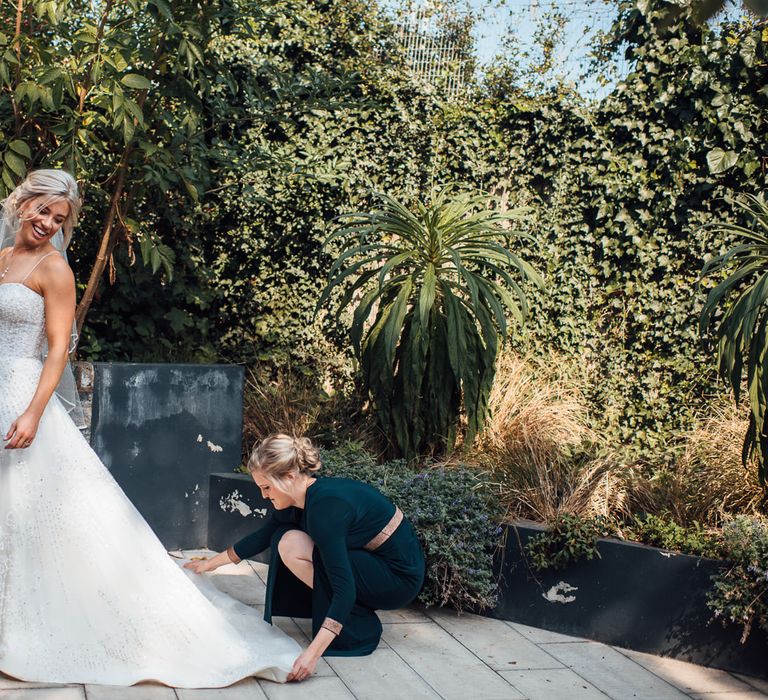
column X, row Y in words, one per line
column 632, row 596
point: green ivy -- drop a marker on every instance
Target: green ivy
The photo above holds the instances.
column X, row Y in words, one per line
column 620, row 190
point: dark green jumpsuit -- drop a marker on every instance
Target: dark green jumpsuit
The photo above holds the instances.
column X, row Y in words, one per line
column 341, row 516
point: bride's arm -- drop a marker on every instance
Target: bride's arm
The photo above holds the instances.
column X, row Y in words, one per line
column 58, row 288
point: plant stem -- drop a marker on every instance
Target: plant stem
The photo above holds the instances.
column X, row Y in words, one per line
column 17, row 41
column 105, row 247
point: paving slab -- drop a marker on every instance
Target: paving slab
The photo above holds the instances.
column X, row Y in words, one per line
column 495, row 642
column 544, row 636
column 756, row 683
column 688, row 677
column 247, row 589
column 261, row 570
column 613, row 673
column 142, row 691
column 311, row 689
column 738, row 695
column 38, row 693
column 8, row 683
column 403, row 615
column 552, row 684
column 453, row 671
column 383, row 674
column 247, row 689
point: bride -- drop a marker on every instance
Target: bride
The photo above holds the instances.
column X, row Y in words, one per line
column 88, row 594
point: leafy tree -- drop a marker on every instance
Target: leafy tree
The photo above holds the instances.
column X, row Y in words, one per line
column 121, row 94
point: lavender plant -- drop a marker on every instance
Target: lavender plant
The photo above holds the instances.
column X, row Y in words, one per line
column 739, row 593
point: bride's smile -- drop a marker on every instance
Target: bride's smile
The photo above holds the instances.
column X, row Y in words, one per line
column 38, row 225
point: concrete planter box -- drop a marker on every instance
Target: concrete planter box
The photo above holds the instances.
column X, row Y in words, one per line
column 634, row 596
column 161, row 429
column 235, row 509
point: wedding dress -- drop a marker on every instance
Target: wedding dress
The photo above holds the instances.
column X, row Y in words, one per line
column 88, row 594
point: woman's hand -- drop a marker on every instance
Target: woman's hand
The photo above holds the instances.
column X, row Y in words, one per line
column 304, row 666
column 200, row 566
column 22, row 431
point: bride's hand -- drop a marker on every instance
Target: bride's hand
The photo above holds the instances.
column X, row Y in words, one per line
column 22, row 431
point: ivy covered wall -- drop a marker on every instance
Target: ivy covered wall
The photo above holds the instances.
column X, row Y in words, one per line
column 619, row 192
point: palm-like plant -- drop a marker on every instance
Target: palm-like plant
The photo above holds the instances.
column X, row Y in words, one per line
column 741, row 327
column 439, row 284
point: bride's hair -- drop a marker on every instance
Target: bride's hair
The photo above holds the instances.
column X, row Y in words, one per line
column 278, row 455
column 54, row 185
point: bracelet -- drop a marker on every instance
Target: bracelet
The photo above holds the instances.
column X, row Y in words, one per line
column 233, row 555
column 332, row 626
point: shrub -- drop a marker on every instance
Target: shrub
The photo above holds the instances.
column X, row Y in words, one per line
column 735, row 307
column 568, row 539
column 538, row 410
column 453, row 514
column 323, row 402
column 740, row 592
column 439, row 283
column 695, row 538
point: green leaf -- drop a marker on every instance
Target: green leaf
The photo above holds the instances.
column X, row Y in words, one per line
column 15, row 164
column 164, row 8
column 427, row 295
column 719, row 160
column 85, row 36
column 18, row 146
column 136, row 81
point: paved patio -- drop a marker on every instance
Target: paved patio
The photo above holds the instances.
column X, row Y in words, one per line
column 435, row 654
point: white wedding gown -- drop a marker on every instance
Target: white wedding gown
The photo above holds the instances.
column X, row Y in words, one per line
column 88, row 593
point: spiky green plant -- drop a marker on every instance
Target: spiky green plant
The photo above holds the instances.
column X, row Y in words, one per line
column 439, row 284
column 737, row 311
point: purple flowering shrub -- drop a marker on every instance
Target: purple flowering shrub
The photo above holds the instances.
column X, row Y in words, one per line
column 454, row 515
column 740, row 591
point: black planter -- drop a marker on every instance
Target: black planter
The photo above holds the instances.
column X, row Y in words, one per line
column 235, row 509
column 161, row 430
column 633, row 596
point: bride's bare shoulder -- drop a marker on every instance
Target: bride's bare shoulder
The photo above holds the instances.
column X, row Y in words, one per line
column 53, row 274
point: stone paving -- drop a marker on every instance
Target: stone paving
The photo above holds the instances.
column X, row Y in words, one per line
column 432, row 653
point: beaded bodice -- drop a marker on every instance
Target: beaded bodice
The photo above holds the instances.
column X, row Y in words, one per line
column 22, row 321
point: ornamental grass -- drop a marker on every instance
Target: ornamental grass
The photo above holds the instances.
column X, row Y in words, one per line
column 539, row 446
column 708, row 481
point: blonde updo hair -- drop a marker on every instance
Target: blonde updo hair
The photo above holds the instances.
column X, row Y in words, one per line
column 279, row 455
column 53, row 185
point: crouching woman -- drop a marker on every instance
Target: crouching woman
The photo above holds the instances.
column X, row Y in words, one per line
column 340, row 550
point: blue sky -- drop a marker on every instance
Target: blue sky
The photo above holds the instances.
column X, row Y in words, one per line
column 500, row 18
column 522, row 17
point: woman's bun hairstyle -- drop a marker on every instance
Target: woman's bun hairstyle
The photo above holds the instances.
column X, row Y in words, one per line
column 279, row 454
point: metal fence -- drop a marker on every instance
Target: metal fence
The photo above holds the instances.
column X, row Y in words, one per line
column 434, row 52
